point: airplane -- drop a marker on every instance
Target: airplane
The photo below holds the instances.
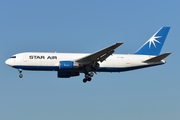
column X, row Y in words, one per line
column 72, row 64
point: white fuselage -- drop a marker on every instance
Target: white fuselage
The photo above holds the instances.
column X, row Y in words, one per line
column 72, row 64
column 50, row 61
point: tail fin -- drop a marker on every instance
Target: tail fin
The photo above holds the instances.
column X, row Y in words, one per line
column 154, row 45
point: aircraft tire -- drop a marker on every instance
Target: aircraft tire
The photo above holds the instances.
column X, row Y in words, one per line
column 84, row 80
column 89, row 79
column 20, row 75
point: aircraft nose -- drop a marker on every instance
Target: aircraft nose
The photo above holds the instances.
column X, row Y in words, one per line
column 8, row 62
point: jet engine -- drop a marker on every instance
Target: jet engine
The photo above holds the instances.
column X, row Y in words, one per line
column 65, row 65
column 67, row 74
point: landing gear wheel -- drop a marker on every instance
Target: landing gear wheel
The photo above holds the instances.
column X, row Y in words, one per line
column 84, row 80
column 20, row 75
column 89, row 79
column 88, row 76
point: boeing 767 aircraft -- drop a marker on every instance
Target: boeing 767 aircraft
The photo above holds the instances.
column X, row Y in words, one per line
column 72, row 64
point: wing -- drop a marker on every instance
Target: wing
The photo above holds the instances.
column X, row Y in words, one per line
column 99, row 55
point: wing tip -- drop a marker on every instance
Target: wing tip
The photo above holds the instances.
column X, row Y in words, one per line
column 119, row 43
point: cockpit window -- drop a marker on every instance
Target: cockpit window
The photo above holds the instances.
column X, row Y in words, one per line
column 13, row 57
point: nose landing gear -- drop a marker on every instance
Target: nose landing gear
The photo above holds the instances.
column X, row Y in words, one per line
column 20, row 73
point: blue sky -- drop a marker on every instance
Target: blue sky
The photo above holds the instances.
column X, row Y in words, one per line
column 87, row 26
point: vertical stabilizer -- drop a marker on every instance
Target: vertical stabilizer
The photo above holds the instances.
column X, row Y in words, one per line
column 154, row 45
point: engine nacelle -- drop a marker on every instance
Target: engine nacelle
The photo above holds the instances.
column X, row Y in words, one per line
column 67, row 74
column 65, row 65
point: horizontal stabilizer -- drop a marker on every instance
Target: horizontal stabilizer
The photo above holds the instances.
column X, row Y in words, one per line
column 157, row 58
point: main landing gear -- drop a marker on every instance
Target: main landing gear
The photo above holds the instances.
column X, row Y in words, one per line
column 20, row 73
column 88, row 77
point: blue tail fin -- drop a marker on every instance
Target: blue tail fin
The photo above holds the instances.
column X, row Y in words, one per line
column 154, row 45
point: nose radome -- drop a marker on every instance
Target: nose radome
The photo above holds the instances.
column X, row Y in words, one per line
column 8, row 62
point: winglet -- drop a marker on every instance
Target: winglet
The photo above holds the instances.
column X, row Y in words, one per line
column 157, row 58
